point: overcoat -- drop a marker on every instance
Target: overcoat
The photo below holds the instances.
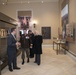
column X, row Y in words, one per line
column 37, row 44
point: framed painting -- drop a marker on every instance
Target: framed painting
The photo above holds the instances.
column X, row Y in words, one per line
column 46, row 32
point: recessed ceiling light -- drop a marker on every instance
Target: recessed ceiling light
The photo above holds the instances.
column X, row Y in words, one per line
column 21, row 2
column 3, row 3
column 41, row 1
column 28, row 2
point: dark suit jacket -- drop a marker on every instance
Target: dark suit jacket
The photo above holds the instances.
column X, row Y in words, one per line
column 11, row 45
column 32, row 38
column 37, row 44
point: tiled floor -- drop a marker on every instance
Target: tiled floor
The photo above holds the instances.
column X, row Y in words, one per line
column 51, row 64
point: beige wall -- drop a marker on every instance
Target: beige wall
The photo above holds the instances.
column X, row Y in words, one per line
column 47, row 14
column 72, row 18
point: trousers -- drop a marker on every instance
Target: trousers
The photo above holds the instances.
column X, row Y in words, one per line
column 27, row 51
column 38, row 59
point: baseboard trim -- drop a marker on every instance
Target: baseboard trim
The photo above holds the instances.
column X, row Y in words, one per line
column 46, row 45
column 71, row 55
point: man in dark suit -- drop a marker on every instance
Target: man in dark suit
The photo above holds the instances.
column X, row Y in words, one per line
column 37, row 45
column 12, row 50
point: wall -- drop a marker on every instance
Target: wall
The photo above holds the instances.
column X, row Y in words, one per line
column 47, row 14
column 72, row 18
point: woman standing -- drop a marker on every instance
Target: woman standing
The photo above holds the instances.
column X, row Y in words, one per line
column 37, row 47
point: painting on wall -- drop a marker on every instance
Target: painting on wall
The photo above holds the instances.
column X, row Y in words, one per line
column 64, row 16
column 46, row 32
column 3, row 33
column 70, row 32
column 24, row 21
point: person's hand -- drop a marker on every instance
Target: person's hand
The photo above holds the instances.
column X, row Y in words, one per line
column 30, row 45
column 18, row 44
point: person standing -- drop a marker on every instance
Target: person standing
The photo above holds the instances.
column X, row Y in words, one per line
column 12, row 50
column 26, row 47
column 31, row 43
column 37, row 45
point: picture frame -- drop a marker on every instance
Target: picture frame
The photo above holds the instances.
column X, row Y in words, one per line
column 46, row 32
column 3, row 33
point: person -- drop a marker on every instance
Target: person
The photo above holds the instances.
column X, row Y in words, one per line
column 21, row 39
column 37, row 45
column 26, row 47
column 12, row 50
column 31, row 34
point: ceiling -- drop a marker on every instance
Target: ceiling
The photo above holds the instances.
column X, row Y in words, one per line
column 26, row 1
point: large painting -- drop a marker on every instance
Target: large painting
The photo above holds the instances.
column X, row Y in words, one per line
column 24, row 21
column 64, row 16
column 46, row 32
column 70, row 32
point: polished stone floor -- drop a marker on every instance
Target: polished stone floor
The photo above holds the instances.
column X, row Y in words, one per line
column 51, row 64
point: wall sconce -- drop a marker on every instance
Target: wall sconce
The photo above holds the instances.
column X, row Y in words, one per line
column 34, row 25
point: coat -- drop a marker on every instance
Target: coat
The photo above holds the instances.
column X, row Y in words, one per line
column 22, row 40
column 37, row 44
column 26, row 41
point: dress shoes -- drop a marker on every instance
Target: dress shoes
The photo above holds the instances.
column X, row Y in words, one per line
column 23, row 62
column 35, row 62
column 17, row 68
column 38, row 64
column 28, row 60
column 10, row 70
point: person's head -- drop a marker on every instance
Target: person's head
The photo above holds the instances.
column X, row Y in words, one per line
column 13, row 30
column 25, row 31
column 36, row 33
column 29, row 32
